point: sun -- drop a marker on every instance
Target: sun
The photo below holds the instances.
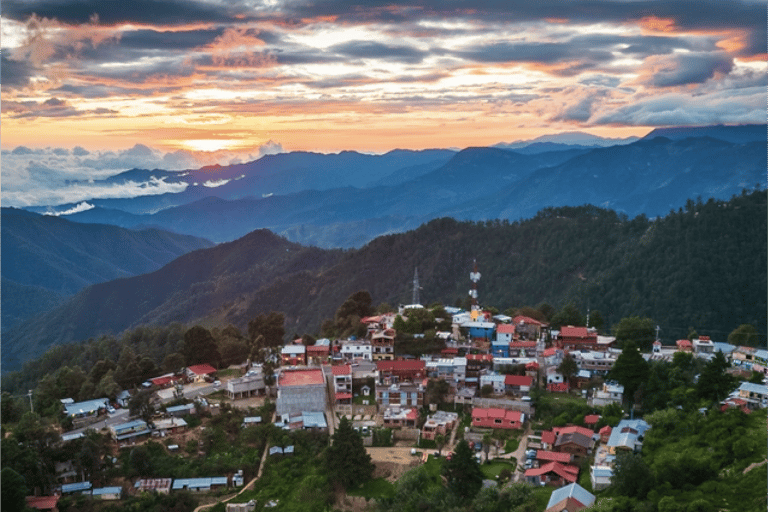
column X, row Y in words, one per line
column 209, row 145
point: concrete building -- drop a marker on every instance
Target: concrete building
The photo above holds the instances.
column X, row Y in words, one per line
column 246, row 386
column 356, row 349
column 439, row 423
column 300, row 390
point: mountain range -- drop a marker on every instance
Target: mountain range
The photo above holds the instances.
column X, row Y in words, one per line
column 592, row 256
column 347, row 199
column 46, row 259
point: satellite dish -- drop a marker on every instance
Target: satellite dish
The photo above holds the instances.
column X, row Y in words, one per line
column 473, row 294
column 474, row 276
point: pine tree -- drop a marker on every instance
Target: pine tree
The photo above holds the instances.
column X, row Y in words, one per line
column 463, row 473
column 346, row 460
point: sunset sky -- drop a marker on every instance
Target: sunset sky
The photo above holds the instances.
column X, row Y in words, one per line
column 170, row 78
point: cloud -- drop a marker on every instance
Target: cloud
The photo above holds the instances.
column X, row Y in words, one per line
column 686, row 109
column 684, row 68
column 53, row 176
column 81, row 207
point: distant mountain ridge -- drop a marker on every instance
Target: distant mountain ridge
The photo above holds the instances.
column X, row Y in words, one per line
column 650, row 176
column 46, row 259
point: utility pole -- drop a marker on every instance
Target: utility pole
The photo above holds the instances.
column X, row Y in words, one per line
column 31, row 408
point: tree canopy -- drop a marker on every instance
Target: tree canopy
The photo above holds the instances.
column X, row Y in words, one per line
column 463, row 473
column 635, row 330
column 630, row 370
column 346, row 460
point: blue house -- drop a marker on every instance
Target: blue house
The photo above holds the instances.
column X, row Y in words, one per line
column 485, row 330
column 500, row 349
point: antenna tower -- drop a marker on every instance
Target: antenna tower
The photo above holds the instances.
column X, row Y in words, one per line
column 474, row 276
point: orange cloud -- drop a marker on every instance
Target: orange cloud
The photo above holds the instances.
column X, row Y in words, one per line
column 656, row 24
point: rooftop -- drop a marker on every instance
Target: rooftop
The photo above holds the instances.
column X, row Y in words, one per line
column 300, row 378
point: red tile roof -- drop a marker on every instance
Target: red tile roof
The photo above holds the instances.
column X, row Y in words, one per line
column 565, row 471
column 371, row 319
column 343, row 396
column 412, row 414
column 343, row 369
column 573, row 429
column 549, row 352
column 591, row 419
column 605, row 431
column 505, row 329
column 496, row 413
column 320, row 349
column 684, row 343
column 300, row 378
column 518, row 380
column 522, row 344
column 532, row 365
column 526, row 320
column 573, row 332
column 553, row 456
column 201, row 369
column 548, row 437
column 42, row 502
column 402, row 364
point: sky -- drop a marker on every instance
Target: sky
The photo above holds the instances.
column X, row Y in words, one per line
column 91, row 87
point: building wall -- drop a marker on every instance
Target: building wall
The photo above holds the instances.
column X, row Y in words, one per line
column 296, row 399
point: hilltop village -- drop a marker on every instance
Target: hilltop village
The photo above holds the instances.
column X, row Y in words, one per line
column 492, row 385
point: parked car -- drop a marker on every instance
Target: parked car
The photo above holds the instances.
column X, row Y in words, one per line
column 530, row 454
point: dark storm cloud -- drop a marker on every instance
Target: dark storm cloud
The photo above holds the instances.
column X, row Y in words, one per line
column 169, row 40
column 548, row 53
column 684, row 69
column 13, row 73
column 375, row 50
column 150, row 12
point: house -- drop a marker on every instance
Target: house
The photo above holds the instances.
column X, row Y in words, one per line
column 497, row 418
column 600, row 476
column 300, row 390
column 595, row 361
column 356, row 349
column 453, row 370
column 123, row 397
column 480, row 330
column 130, row 430
column 248, row 385
column 158, row 485
column 83, row 413
column 402, row 395
column 170, row 426
column 43, row 503
column 76, row 488
column 318, row 354
column 611, row 393
column 570, row 498
column 107, row 493
column 552, row 473
column 755, row 395
column 493, row 379
column 518, row 384
column 179, row 411
column 439, row 423
column 703, row 345
column 627, row 435
column 200, row 372
column 251, row 421
column 684, row 346
column 522, row 349
column 293, row 355
column 401, row 370
column 577, row 338
column 500, row 348
column 342, row 383
column 528, row 328
column 548, row 456
column 383, row 345
column 505, row 333
column 306, row 420
column 397, row 417
column 165, row 381
column 200, row 484
column 605, row 433
column 553, row 356
column 577, row 444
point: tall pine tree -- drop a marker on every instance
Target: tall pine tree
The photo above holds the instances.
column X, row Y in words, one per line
column 347, row 462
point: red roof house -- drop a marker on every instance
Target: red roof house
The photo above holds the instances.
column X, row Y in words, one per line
column 684, row 345
column 199, row 371
column 43, row 502
column 577, row 338
column 518, row 383
column 497, row 418
column 591, row 419
column 404, row 369
column 553, row 473
column 561, row 457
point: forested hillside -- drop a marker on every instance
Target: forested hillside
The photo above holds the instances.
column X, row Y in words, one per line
column 46, row 259
column 701, row 267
